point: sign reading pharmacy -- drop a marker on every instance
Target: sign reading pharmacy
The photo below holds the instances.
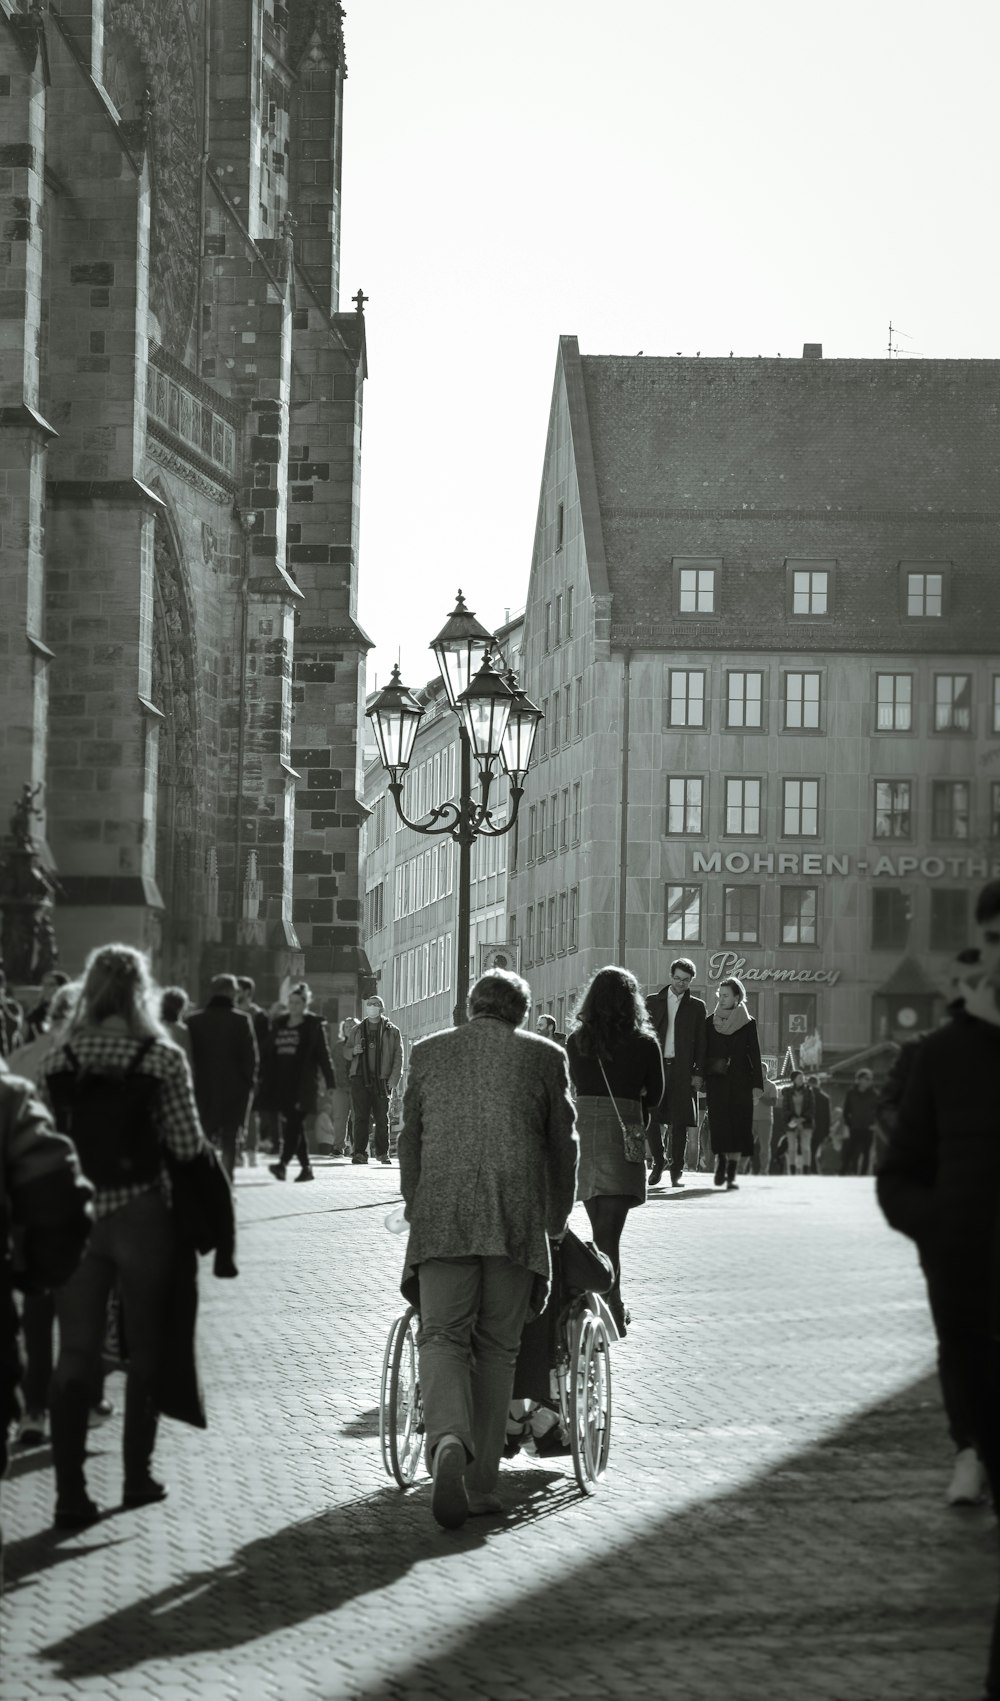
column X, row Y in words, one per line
column 829, row 862
column 725, row 963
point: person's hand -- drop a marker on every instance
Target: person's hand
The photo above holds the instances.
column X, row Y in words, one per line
column 697, row 1083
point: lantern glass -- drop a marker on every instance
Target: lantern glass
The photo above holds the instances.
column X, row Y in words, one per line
column 459, row 649
column 395, row 716
column 519, row 738
column 485, row 707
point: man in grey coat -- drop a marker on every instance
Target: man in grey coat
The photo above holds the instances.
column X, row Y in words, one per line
column 487, row 1160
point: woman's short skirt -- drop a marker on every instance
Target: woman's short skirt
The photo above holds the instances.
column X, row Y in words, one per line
column 604, row 1168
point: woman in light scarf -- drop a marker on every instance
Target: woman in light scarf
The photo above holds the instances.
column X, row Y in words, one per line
column 734, row 1080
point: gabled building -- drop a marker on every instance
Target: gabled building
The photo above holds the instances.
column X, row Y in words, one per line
column 763, row 621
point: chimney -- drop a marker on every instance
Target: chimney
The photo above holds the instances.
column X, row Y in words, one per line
column 812, row 351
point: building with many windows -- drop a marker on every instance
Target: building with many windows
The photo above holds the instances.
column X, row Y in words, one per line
column 411, row 879
column 763, row 621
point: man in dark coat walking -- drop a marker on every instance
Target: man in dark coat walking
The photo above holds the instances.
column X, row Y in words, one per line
column 822, row 1119
column 224, row 1066
column 679, row 1019
column 939, row 1183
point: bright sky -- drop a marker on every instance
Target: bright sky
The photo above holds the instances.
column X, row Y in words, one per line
column 647, row 176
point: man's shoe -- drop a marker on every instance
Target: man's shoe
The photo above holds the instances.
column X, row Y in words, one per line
column 732, row 1186
column 720, row 1172
column 655, row 1175
column 306, row 1175
column 484, row 1505
column 676, row 1181
column 449, row 1500
column 33, row 1430
column 360, row 1158
column 76, row 1514
column 146, row 1492
column 278, row 1171
column 968, row 1479
column 386, row 1160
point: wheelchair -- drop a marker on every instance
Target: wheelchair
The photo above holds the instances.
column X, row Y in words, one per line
column 564, row 1366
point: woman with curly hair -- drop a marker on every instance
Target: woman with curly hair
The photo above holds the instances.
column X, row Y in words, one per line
column 614, row 1054
column 121, row 1089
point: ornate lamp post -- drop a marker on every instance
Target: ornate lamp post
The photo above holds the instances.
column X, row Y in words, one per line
column 497, row 727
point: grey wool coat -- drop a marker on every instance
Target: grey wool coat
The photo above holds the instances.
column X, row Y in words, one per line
column 488, row 1150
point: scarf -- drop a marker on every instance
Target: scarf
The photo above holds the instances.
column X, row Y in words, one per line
column 730, row 1021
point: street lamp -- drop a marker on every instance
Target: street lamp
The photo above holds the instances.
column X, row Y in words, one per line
column 497, row 727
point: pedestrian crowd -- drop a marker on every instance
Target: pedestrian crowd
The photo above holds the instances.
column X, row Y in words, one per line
column 116, row 1165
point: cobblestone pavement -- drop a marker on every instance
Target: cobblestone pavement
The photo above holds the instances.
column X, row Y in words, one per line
column 772, row 1524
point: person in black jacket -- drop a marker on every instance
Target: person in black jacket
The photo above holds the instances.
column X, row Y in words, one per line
column 679, row 1019
column 734, row 1080
column 224, row 1067
column 297, row 1052
column 939, row 1183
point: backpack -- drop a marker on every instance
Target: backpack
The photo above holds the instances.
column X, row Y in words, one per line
column 108, row 1114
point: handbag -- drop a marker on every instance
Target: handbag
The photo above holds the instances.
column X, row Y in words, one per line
column 583, row 1267
column 718, row 1066
column 633, row 1134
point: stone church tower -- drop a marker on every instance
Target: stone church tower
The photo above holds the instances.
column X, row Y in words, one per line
column 181, row 412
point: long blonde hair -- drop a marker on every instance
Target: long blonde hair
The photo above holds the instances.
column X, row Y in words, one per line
column 117, row 982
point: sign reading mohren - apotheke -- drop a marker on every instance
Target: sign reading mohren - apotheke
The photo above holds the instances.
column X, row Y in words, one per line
column 829, row 862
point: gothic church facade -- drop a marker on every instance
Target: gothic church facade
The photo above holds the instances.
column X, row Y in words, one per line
column 181, row 411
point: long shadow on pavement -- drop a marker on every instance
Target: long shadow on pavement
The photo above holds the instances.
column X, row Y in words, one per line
column 838, row 1575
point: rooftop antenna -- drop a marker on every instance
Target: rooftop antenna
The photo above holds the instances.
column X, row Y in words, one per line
column 894, row 349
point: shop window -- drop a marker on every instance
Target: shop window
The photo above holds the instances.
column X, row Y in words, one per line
column 744, row 699
column 682, row 920
column 741, row 915
column 950, row 809
column 799, row 907
column 685, row 804
column 950, row 923
column 893, row 819
column 894, row 702
column 890, row 918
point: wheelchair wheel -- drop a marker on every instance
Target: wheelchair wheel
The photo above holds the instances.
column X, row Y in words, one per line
column 590, row 1400
column 401, row 1412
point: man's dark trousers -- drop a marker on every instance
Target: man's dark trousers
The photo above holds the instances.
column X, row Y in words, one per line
column 370, row 1104
column 669, row 1152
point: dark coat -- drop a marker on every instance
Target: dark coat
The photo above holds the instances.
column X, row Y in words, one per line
column 312, row 1060
column 786, row 1109
column 678, row 1108
column 822, row 1111
column 730, row 1096
column 204, row 1220
column 939, row 1179
column 223, row 1064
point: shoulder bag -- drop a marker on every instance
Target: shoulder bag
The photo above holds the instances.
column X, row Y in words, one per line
column 633, row 1133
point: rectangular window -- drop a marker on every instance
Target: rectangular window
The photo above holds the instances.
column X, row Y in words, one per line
column 552, row 841
column 890, row 919
column 574, row 918
column 550, row 949
column 894, row 702
column 741, row 915
column 799, row 909
column 995, row 717
column 542, row 817
column 810, row 591
column 950, row 809
column 800, row 809
column 563, row 921
column 952, row 702
column 892, row 809
column 801, row 701
column 682, row 920
column 687, row 697
column 532, row 833
column 564, row 820
column 540, row 932
column 577, row 811
column 745, row 699
column 685, row 804
column 556, row 729
column 529, row 934
column 578, row 725
column 548, row 627
column 560, row 527
column 557, row 633
column 743, row 807
column 696, row 592
column 949, row 918
column 924, row 594
column 569, row 608
column 995, row 810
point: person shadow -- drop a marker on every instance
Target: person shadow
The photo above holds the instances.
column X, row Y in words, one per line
column 280, row 1580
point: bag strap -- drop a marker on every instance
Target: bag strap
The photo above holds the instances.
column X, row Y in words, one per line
column 146, row 1046
column 611, row 1096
